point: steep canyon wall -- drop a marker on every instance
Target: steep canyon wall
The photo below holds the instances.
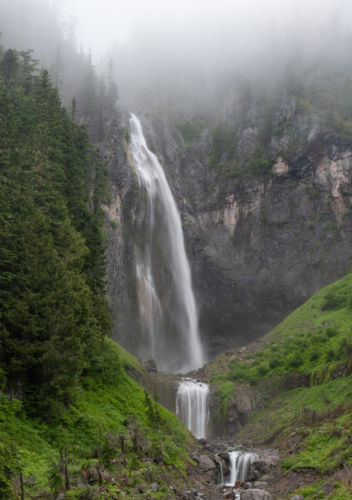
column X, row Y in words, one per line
column 259, row 244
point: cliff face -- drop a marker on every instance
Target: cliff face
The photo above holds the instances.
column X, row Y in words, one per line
column 259, row 244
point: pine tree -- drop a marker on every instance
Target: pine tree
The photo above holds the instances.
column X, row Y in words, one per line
column 28, row 70
column 52, row 261
column 57, row 70
column 89, row 87
column 112, row 92
column 9, row 67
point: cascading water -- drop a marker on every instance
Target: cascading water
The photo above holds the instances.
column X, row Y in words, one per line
column 192, row 406
column 239, row 463
column 185, row 353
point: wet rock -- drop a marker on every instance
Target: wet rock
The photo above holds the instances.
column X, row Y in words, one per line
column 228, row 494
column 206, row 464
column 255, row 495
column 239, row 484
column 225, row 455
column 154, row 487
column 150, row 366
column 257, row 469
column 248, row 486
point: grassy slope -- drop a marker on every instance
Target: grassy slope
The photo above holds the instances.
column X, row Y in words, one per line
column 107, row 397
column 316, row 338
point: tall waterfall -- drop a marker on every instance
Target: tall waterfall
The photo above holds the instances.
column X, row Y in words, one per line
column 239, row 463
column 192, row 406
column 185, row 352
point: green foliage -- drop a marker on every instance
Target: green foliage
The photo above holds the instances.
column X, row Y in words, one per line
column 226, row 392
column 98, row 404
column 88, row 93
column 338, row 295
column 56, row 476
column 190, row 130
column 258, row 164
column 224, row 146
column 9, row 466
column 134, row 464
column 52, row 252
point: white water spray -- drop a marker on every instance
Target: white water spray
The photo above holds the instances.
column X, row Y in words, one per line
column 239, row 463
column 192, row 406
column 188, row 353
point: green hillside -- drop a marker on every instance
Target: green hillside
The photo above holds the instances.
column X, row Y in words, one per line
column 107, row 402
column 312, row 423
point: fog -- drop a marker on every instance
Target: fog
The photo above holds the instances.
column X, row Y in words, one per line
column 156, row 40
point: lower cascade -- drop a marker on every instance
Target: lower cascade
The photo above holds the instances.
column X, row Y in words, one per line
column 239, row 464
column 192, row 406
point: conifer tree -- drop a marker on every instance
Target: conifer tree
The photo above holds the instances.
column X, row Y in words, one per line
column 112, row 91
column 8, row 67
column 28, row 70
column 57, row 69
column 89, row 87
column 52, row 262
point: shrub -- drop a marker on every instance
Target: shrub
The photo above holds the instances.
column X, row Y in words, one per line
column 286, row 464
column 237, row 373
column 338, row 295
column 262, row 369
column 331, row 331
column 134, row 464
column 258, row 164
column 329, row 354
column 314, row 355
column 275, row 362
column 296, row 360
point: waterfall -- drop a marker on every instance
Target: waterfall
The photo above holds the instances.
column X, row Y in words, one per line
column 181, row 351
column 221, row 473
column 192, row 406
column 239, row 463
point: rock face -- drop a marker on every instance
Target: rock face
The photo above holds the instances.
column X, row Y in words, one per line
column 258, row 246
column 257, row 469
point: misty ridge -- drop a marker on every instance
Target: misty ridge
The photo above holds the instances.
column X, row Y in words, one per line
column 199, row 53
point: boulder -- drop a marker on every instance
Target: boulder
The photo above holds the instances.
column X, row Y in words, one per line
column 228, row 494
column 260, row 485
column 154, row 487
column 255, row 495
column 225, row 455
column 257, row 469
column 205, row 463
column 142, row 488
column 194, row 455
column 297, row 497
column 239, row 484
column 272, row 460
column 248, row 486
column 150, row 366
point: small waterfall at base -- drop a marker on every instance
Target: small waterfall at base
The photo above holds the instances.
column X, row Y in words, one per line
column 221, row 474
column 192, row 406
column 239, row 463
column 163, row 225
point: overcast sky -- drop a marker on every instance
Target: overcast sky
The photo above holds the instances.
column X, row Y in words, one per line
column 102, row 21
